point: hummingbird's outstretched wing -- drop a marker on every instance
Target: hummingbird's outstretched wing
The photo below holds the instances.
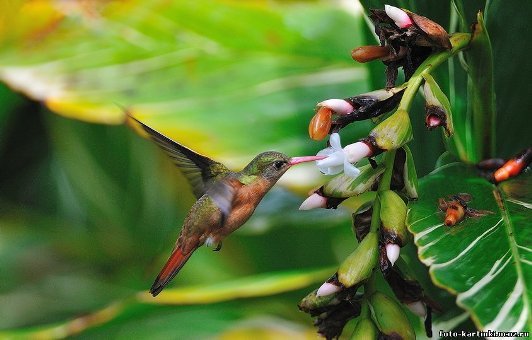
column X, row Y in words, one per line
column 201, row 171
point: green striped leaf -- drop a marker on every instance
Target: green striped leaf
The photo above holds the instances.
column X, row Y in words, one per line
column 486, row 260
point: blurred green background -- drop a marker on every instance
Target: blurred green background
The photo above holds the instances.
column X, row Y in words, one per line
column 89, row 210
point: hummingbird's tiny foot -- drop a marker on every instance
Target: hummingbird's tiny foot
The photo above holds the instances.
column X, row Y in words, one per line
column 211, row 242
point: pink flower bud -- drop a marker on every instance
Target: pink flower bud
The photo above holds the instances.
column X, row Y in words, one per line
column 400, row 17
column 328, row 289
column 432, row 121
column 314, row 201
column 338, row 106
column 417, row 308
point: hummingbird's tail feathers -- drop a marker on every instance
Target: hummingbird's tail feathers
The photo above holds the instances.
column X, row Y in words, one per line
column 176, row 261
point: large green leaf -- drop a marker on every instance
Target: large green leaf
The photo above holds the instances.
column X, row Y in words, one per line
column 485, row 260
column 133, row 312
column 207, row 74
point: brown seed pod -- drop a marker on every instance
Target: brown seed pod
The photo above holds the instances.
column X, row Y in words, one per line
column 363, row 54
column 320, row 125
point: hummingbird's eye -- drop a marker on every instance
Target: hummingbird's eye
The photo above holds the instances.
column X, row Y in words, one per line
column 279, row 164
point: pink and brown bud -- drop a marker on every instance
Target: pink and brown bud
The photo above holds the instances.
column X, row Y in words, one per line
column 314, row 201
column 331, row 286
column 412, row 39
column 331, row 311
column 328, row 289
column 338, row 106
column 399, row 17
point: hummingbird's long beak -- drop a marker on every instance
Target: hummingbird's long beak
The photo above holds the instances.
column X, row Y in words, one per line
column 297, row 160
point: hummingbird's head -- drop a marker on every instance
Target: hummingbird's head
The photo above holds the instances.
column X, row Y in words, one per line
column 271, row 165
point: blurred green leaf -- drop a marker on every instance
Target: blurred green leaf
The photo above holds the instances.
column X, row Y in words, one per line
column 88, row 212
column 482, row 260
column 256, row 286
column 260, row 285
column 205, row 74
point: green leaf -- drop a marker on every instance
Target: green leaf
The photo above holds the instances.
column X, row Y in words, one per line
column 483, row 260
column 410, row 175
column 250, row 287
column 481, row 92
column 204, row 74
column 259, row 285
column 435, row 96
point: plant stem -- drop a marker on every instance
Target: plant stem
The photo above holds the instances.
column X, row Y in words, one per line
column 384, row 184
column 364, row 310
column 459, row 42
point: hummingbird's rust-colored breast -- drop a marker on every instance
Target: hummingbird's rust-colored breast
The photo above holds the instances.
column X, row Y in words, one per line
column 246, row 199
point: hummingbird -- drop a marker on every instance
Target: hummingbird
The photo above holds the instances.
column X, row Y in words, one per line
column 225, row 199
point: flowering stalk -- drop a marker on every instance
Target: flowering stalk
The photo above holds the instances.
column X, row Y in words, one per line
column 417, row 45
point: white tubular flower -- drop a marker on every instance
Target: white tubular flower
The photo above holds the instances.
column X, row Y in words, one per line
column 401, row 19
column 337, row 160
column 356, row 151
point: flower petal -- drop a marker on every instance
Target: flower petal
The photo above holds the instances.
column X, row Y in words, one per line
column 350, row 170
column 331, row 170
column 334, row 141
column 326, row 152
column 336, row 158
